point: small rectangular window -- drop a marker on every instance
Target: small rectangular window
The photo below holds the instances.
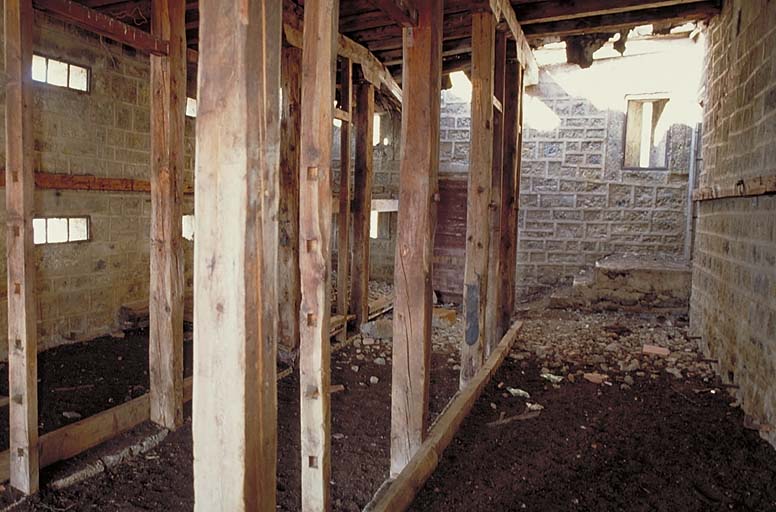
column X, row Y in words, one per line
column 646, row 138
column 59, row 230
column 60, row 73
column 191, row 107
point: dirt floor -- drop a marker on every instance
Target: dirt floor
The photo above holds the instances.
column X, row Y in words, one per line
column 657, row 432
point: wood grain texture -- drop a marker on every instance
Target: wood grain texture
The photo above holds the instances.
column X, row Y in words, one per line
column 235, row 257
column 168, row 109
column 289, row 294
column 20, row 263
column 475, row 283
column 492, row 307
column 399, row 11
column 94, row 21
column 319, row 56
column 419, row 167
column 343, row 216
column 510, row 190
column 362, row 199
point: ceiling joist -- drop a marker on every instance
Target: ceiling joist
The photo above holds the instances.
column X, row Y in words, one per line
column 398, row 11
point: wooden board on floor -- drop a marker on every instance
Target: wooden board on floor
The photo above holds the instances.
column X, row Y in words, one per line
column 397, row 494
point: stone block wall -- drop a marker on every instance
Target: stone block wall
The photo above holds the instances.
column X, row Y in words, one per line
column 104, row 132
column 733, row 302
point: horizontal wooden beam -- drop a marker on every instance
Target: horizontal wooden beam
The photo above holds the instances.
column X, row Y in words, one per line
column 749, row 187
column 56, row 181
column 104, row 25
column 611, row 23
column 342, row 115
column 558, row 10
column 397, row 495
column 503, row 11
column 399, row 11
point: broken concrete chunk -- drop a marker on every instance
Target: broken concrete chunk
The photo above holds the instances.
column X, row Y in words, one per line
column 443, row 317
column 655, row 350
column 676, row 372
column 534, row 407
column 380, row 329
column 555, row 379
column 518, row 392
column 380, row 361
column 373, row 380
column 595, row 377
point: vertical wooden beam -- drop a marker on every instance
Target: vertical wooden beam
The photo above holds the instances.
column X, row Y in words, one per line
column 319, row 56
column 168, row 109
column 492, row 308
column 475, row 284
column 289, row 294
column 510, row 190
column 20, row 186
column 235, row 260
column 362, row 200
column 343, row 217
column 418, row 192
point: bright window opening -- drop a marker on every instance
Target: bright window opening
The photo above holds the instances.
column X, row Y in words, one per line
column 188, row 227
column 376, row 130
column 59, row 230
column 59, row 73
column 645, row 144
column 191, row 107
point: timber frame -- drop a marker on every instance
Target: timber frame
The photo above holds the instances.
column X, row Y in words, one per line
column 264, row 217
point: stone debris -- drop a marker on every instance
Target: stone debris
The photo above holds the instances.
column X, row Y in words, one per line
column 381, row 329
column 555, row 379
column 596, row 378
column 621, row 346
column 519, row 392
column 71, row 415
column 373, row 380
column 443, row 317
column 380, row 361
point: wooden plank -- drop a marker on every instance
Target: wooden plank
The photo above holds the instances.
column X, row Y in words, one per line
column 20, row 266
column 104, row 25
column 57, row 181
column 419, row 167
column 385, row 205
column 396, row 495
column 614, row 22
column 510, row 190
column 235, row 262
column 557, row 10
column 493, row 307
column 399, row 11
column 168, row 110
column 475, row 285
column 342, row 115
column 319, row 55
column 747, row 187
column 289, row 294
column 343, row 217
column 362, row 200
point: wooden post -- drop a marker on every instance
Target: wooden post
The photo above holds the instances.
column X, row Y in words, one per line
column 510, row 191
column 235, row 260
column 362, row 200
column 418, row 192
column 289, row 294
column 492, row 308
column 343, row 217
column 168, row 109
column 319, row 55
column 475, row 284
column 19, row 189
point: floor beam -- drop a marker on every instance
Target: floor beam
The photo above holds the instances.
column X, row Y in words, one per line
column 235, row 262
column 168, row 108
column 418, row 192
column 20, row 264
column 319, row 55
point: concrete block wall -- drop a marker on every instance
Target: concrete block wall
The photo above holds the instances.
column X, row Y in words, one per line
column 733, row 302
column 105, row 132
